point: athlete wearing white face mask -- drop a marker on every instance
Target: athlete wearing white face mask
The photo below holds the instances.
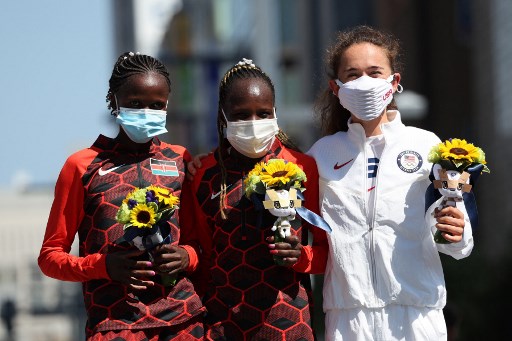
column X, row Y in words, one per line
column 252, row 138
column 366, row 97
column 234, row 230
column 383, row 277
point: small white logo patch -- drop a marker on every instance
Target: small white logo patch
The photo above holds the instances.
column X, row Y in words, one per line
column 409, row 161
column 102, row 172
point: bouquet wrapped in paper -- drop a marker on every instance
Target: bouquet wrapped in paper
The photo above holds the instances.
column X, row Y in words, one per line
column 144, row 214
column 281, row 185
column 456, row 166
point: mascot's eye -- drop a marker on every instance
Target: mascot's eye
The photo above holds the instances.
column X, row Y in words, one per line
column 459, row 187
column 291, row 204
column 445, row 184
column 277, row 204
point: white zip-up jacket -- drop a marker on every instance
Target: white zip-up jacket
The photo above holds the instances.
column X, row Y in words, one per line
column 387, row 256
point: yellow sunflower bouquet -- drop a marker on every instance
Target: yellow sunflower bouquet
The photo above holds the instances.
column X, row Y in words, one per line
column 457, row 154
column 456, row 166
column 275, row 174
column 141, row 212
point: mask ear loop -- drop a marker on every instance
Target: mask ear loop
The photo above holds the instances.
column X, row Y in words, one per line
column 116, row 111
column 275, row 113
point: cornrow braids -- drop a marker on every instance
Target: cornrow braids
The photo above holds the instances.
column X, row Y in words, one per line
column 129, row 64
column 244, row 69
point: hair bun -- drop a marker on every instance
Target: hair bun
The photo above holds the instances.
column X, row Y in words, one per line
column 247, row 62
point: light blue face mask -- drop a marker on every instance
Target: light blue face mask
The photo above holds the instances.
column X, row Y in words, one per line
column 142, row 124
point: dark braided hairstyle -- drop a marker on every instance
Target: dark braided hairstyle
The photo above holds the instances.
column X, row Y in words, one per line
column 129, row 64
column 245, row 69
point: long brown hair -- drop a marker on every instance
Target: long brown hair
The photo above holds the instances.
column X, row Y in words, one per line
column 333, row 117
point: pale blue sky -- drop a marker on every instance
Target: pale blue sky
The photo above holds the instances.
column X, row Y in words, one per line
column 56, row 58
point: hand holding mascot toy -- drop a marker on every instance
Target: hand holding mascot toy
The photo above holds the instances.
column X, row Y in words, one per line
column 281, row 184
column 456, row 166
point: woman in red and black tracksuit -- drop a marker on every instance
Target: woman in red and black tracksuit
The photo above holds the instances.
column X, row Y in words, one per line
column 248, row 296
column 124, row 294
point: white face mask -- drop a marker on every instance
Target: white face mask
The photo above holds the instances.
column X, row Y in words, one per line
column 366, row 97
column 252, row 138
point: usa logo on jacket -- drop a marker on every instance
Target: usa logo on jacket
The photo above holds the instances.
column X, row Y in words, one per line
column 409, row 161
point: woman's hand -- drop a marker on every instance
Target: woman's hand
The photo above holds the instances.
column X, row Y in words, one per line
column 170, row 259
column 288, row 250
column 122, row 268
column 450, row 221
column 194, row 165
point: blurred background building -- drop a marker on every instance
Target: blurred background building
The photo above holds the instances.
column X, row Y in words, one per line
column 457, row 80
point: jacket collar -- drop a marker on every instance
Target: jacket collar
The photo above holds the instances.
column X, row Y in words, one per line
column 113, row 145
column 390, row 129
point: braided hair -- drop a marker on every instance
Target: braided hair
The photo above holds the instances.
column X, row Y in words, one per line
column 129, row 64
column 244, row 69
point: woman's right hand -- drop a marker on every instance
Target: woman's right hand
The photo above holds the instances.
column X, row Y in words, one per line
column 134, row 273
column 194, row 165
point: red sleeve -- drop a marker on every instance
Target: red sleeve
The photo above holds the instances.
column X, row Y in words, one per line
column 203, row 231
column 65, row 217
column 189, row 239
column 313, row 257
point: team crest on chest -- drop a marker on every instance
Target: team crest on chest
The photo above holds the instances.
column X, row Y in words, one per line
column 409, row 161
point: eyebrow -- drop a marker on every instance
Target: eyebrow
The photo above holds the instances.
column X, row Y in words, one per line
column 375, row 67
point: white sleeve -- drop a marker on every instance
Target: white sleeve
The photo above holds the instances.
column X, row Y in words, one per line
column 457, row 250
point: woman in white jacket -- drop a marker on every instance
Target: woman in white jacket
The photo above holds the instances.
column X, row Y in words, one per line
column 384, row 279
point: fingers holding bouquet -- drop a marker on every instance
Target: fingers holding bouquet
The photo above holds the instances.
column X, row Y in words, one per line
column 450, row 223
column 169, row 259
column 123, row 268
column 288, row 250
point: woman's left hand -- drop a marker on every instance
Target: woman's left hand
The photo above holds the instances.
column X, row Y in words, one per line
column 170, row 259
column 450, row 221
column 288, row 250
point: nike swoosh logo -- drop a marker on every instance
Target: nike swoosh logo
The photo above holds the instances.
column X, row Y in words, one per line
column 102, row 172
column 336, row 166
column 215, row 195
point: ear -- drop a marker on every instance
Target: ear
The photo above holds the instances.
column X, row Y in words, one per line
column 435, row 170
column 396, row 80
column 333, row 86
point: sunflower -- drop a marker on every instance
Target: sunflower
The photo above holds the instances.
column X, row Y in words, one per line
column 165, row 196
column 458, row 152
column 278, row 173
column 142, row 216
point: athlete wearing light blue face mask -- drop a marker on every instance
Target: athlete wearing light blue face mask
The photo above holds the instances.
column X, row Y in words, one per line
column 142, row 124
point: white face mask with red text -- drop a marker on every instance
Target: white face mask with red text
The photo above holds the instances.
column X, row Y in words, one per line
column 366, row 97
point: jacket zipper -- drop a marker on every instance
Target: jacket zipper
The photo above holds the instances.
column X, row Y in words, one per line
column 371, row 223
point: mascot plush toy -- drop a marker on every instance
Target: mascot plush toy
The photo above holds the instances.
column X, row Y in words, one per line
column 279, row 184
column 456, row 166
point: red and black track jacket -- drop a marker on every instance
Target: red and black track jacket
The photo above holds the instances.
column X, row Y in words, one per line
column 91, row 186
column 247, row 295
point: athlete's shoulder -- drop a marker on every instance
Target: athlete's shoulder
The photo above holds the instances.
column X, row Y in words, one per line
column 297, row 157
column 82, row 157
column 328, row 142
column 422, row 135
